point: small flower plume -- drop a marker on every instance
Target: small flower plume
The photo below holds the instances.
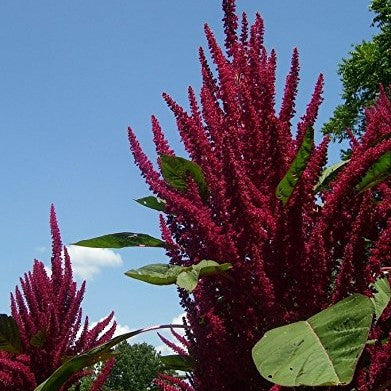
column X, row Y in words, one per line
column 47, row 311
column 289, row 261
column 180, row 347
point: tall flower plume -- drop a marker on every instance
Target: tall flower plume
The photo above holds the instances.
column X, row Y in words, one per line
column 289, row 261
column 47, row 311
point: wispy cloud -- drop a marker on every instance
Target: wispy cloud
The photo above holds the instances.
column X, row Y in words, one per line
column 120, row 329
column 48, row 270
column 163, row 349
column 179, row 320
column 88, row 262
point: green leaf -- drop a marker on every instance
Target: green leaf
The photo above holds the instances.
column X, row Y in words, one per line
column 382, row 295
column 188, row 280
column 9, row 334
column 176, row 170
column 329, row 174
column 321, row 351
column 287, row 184
column 120, row 240
column 379, row 171
column 185, row 277
column 177, row 363
column 157, row 274
column 39, row 339
column 206, row 267
column 152, row 203
column 89, row 358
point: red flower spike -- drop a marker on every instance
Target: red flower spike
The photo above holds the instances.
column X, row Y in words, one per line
column 289, row 262
column 49, row 306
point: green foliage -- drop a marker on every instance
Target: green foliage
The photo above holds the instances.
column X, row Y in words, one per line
column 157, row 274
column 382, row 295
column 136, row 365
column 366, row 67
column 176, row 171
column 85, row 383
column 376, row 174
column 188, row 279
column 380, row 170
column 120, row 240
column 9, row 334
column 287, row 184
column 324, row 349
column 135, row 368
column 383, row 10
column 321, row 351
column 184, row 277
column 329, row 174
column 177, row 362
column 39, row 339
column 152, row 203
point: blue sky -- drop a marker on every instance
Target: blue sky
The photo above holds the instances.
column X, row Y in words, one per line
column 74, row 75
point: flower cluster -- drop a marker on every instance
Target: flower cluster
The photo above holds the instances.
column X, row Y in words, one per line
column 48, row 315
column 289, row 261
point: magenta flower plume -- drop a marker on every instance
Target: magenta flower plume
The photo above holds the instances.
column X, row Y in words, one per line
column 289, row 261
column 171, row 383
column 47, row 311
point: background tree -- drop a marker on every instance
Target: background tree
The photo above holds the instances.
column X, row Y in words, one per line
column 366, row 67
column 135, row 368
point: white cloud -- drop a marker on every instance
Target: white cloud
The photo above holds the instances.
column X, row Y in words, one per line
column 48, row 270
column 87, row 262
column 179, row 320
column 164, row 350
column 120, row 329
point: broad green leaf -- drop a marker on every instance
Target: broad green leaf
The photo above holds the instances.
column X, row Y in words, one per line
column 379, row 171
column 206, row 267
column 157, row 274
column 188, row 279
column 185, row 277
column 177, row 363
column 152, row 203
column 39, row 339
column 176, row 170
column 382, row 295
column 329, row 175
column 321, row 351
column 89, row 358
column 287, row 184
column 9, row 334
column 120, row 240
